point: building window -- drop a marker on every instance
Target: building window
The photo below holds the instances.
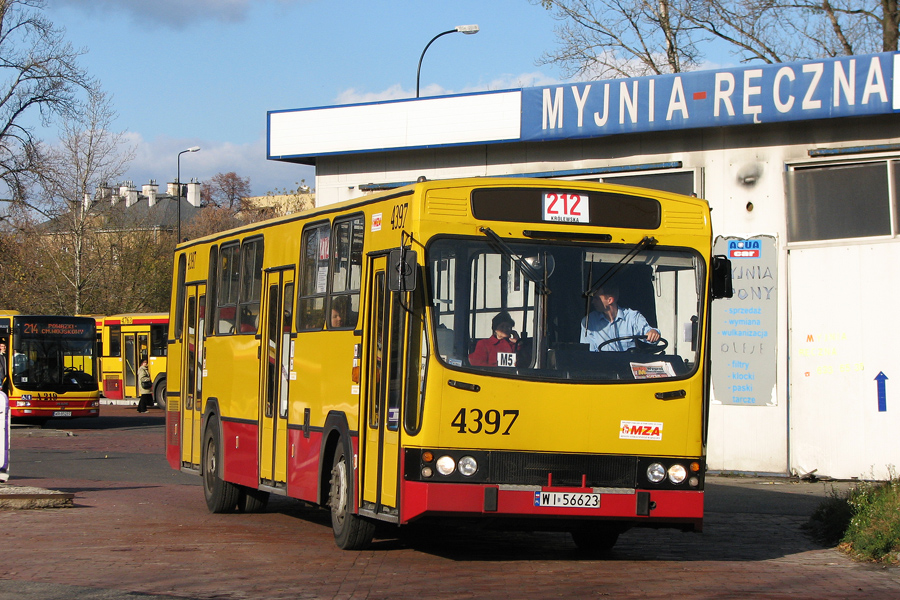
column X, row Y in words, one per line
column 839, row 201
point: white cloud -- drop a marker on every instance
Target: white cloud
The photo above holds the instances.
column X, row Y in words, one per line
column 396, row 91
column 157, row 159
column 177, row 14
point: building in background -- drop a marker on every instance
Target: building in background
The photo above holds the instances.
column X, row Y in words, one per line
column 800, row 164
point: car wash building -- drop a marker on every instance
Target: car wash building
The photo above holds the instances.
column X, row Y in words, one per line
column 800, row 163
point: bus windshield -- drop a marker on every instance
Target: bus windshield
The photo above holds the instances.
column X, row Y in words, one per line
column 552, row 305
column 53, row 354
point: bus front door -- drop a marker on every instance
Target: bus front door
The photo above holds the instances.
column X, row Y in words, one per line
column 192, row 373
column 275, row 366
column 383, row 389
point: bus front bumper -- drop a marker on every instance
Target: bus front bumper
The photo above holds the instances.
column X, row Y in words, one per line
column 653, row 508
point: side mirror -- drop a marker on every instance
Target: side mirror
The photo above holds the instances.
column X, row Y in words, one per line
column 720, row 277
column 402, row 270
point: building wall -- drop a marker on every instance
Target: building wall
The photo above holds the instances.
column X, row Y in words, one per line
column 816, row 420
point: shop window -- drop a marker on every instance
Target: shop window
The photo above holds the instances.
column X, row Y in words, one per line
column 836, row 202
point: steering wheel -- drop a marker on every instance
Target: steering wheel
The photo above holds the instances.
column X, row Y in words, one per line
column 640, row 344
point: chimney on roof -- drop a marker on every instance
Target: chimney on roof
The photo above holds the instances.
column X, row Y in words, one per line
column 150, row 190
column 131, row 195
column 193, row 193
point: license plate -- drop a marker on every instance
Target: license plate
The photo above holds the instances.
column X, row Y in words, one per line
column 62, row 413
column 567, row 500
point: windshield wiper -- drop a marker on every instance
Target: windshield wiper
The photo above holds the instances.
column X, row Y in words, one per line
column 646, row 242
column 530, row 272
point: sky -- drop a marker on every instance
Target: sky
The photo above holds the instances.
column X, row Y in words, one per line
column 185, row 73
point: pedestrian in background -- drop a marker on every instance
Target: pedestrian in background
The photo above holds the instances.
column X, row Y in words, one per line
column 146, row 387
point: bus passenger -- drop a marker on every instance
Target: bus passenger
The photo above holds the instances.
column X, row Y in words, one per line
column 499, row 350
column 609, row 321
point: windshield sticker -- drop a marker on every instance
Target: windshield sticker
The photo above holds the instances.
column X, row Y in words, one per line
column 640, row 430
column 652, row 370
column 506, row 359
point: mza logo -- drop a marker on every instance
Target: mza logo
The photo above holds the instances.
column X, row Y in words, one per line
column 744, row 248
column 640, row 430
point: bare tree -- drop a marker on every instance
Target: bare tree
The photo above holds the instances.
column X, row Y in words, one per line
column 626, row 38
column 621, row 38
column 38, row 72
column 226, row 190
column 88, row 156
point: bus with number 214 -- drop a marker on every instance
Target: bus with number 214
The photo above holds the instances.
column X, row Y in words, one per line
column 330, row 356
column 50, row 366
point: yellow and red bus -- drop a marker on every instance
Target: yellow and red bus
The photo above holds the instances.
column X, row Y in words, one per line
column 325, row 356
column 125, row 339
column 50, row 369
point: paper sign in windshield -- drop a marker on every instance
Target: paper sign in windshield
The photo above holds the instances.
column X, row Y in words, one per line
column 652, row 370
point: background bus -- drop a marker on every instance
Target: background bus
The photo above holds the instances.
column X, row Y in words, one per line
column 50, row 366
column 326, row 356
column 126, row 338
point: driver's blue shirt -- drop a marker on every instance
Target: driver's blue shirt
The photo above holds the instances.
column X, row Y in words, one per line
column 599, row 329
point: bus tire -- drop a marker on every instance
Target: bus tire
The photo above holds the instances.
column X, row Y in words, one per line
column 221, row 496
column 595, row 540
column 251, row 500
column 351, row 532
column 159, row 394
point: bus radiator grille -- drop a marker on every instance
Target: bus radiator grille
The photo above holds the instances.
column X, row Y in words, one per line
column 528, row 468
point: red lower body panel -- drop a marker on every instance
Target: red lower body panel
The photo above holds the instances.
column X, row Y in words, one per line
column 421, row 499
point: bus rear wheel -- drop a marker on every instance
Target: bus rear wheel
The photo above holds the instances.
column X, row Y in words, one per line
column 159, row 394
column 351, row 532
column 220, row 495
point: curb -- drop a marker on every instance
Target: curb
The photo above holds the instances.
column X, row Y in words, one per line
column 14, row 497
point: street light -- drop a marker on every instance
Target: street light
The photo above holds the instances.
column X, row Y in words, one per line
column 466, row 29
column 178, row 185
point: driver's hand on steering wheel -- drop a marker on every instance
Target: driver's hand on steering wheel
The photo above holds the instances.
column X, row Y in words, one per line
column 652, row 336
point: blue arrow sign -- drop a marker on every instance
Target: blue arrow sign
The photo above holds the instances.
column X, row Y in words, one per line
column 882, row 393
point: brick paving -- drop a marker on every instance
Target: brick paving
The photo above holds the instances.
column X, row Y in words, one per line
column 158, row 538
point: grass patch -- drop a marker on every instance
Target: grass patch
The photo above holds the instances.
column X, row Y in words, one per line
column 864, row 522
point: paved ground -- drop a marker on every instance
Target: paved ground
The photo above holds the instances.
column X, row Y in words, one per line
column 145, row 530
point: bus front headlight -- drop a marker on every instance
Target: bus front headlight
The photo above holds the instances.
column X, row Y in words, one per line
column 467, row 466
column 656, row 473
column 677, row 473
column 445, row 465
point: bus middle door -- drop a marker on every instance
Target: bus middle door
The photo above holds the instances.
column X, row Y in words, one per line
column 192, row 373
column 275, row 365
column 383, row 388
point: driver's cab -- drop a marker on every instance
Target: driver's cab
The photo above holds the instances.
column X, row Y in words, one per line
column 547, row 290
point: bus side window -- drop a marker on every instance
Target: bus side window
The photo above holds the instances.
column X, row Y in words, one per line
column 212, row 280
column 346, row 273
column 251, row 285
column 229, row 278
column 314, row 252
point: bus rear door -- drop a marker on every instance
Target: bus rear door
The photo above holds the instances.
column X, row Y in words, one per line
column 275, row 365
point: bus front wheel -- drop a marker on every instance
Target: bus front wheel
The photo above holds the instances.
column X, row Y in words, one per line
column 220, row 495
column 351, row 532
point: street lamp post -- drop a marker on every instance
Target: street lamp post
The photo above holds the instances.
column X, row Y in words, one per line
column 466, row 29
column 178, row 186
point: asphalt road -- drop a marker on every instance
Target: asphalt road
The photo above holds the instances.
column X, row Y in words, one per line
column 141, row 528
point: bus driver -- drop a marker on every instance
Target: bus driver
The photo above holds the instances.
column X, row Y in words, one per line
column 609, row 321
